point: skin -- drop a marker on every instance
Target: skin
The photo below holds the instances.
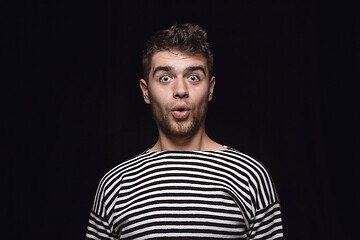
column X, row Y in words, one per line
column 178, row 81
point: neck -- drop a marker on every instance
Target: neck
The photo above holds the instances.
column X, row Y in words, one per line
column 199, row 142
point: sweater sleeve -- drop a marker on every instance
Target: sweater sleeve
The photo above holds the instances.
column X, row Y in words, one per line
column 267, row 223
column 98, row 228
column 100, row 225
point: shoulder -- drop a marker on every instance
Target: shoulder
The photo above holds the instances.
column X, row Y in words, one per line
column 240, row 161
column 116, row 173
column 247, row 161
column 259, row 178
column 111, row 183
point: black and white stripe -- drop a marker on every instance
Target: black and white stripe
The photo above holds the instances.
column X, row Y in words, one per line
column 186, row 195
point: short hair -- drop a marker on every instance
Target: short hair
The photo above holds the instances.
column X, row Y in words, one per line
column 186, row 38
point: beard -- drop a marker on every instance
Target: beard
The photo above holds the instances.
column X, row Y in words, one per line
column 180, row 128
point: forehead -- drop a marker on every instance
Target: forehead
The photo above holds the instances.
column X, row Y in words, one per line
column 177, row 60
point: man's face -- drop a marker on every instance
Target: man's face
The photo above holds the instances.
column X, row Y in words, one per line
column 178, row 91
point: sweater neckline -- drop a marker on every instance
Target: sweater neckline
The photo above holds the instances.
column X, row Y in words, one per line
column 189, row 152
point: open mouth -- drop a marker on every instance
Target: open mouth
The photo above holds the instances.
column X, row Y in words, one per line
column 180, row 112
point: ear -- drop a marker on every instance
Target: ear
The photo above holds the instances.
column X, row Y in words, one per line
column 145, row 90
column 211, row 88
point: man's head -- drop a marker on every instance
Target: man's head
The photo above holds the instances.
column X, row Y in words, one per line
column 178, row 83
column 185, row 38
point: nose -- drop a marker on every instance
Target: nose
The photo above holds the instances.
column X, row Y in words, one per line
column 180, row 88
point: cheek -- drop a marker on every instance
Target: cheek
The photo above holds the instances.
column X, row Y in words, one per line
column 203, row 96
column 202, row 102
column 158, row 101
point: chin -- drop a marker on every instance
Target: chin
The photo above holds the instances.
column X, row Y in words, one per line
column 181, row 129
column 178, row 128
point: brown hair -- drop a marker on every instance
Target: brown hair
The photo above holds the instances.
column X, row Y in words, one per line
column 185, row 38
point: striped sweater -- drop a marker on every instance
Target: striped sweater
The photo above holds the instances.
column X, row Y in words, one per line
column 186, row 195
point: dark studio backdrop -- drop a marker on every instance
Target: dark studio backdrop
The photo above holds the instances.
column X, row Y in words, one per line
column 72, row 109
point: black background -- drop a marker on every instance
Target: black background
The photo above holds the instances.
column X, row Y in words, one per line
column 285, row 94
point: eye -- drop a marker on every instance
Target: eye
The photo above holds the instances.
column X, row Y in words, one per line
column 165, row 78
column 194, row 78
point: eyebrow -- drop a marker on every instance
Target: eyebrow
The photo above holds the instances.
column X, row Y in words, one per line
column 162, row 68
column 196, row 68
column 188, row 69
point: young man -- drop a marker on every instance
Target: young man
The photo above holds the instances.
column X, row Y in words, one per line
column 186, row 186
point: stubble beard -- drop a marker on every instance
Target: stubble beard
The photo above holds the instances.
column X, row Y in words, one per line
column 180, row 128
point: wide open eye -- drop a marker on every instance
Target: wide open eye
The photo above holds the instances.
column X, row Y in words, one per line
column 165, row 78
column 194, row 78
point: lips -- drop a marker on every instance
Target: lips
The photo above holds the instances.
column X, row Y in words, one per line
column 180, row 111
